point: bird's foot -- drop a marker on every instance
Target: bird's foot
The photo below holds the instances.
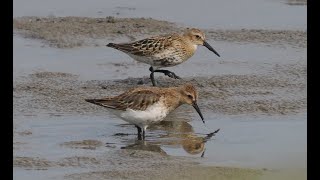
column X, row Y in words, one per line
column 172, row 75
column 168, row 73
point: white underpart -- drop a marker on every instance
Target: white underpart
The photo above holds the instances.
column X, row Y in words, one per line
column 151, row 60
column 156, row 112
column 195, row 46
column 144, row 59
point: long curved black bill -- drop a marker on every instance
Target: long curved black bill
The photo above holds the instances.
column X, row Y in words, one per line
column 210, row 48
column 198, row 110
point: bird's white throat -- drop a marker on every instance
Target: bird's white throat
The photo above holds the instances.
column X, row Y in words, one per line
column 195, row 46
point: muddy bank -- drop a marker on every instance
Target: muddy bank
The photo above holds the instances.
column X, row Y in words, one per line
column 47, row 102
column 68, row 32
column 271, row 37
column 137, row 164
column 282, row 91
column 123, row 165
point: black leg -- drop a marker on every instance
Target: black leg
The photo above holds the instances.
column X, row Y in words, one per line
column 143, row 134
column 152, row 76
column 139, row 133
column 202, row 155
column 168, row 73
column 165, row 72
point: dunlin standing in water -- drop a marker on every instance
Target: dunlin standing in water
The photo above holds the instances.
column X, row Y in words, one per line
column 165, row 51
column 143, row 106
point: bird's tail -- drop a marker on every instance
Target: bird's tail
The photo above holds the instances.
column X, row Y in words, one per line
column 102, row 102
column 98, row 101
column 111, row 45
column 95, row 101
column 121, row 47
column 91, row 100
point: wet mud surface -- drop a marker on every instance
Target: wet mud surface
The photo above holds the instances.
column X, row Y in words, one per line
column 123, row 167
column 68, row 32
column 283, row 91
column 50, row 113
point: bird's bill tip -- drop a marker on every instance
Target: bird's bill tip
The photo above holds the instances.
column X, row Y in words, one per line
column 207, row 45
column 196, row 107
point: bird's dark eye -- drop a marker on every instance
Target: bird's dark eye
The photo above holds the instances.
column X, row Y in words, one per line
column 189, row 96
column 197, row 36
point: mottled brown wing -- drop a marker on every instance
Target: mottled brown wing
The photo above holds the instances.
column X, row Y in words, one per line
column 136, row 100
column 145, row 47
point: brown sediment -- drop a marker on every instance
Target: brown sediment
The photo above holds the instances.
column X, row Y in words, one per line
column 283, row 91
column 84, row 144
column 134, row 164
column 37, row 163
column 137, row 164
column 215, row 173
column 68, row 32
column 31, row 162
column 294, row 38
column 78, row 161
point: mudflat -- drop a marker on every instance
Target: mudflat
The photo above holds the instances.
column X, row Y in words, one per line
column 59, row 135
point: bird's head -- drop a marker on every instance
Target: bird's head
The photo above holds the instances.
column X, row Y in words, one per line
column 197, row 37
column 189, row 95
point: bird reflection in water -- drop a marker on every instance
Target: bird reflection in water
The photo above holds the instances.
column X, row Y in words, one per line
column 177, row 133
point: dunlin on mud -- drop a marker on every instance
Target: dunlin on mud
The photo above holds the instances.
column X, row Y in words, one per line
column 143, row 106
column 165, row 50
